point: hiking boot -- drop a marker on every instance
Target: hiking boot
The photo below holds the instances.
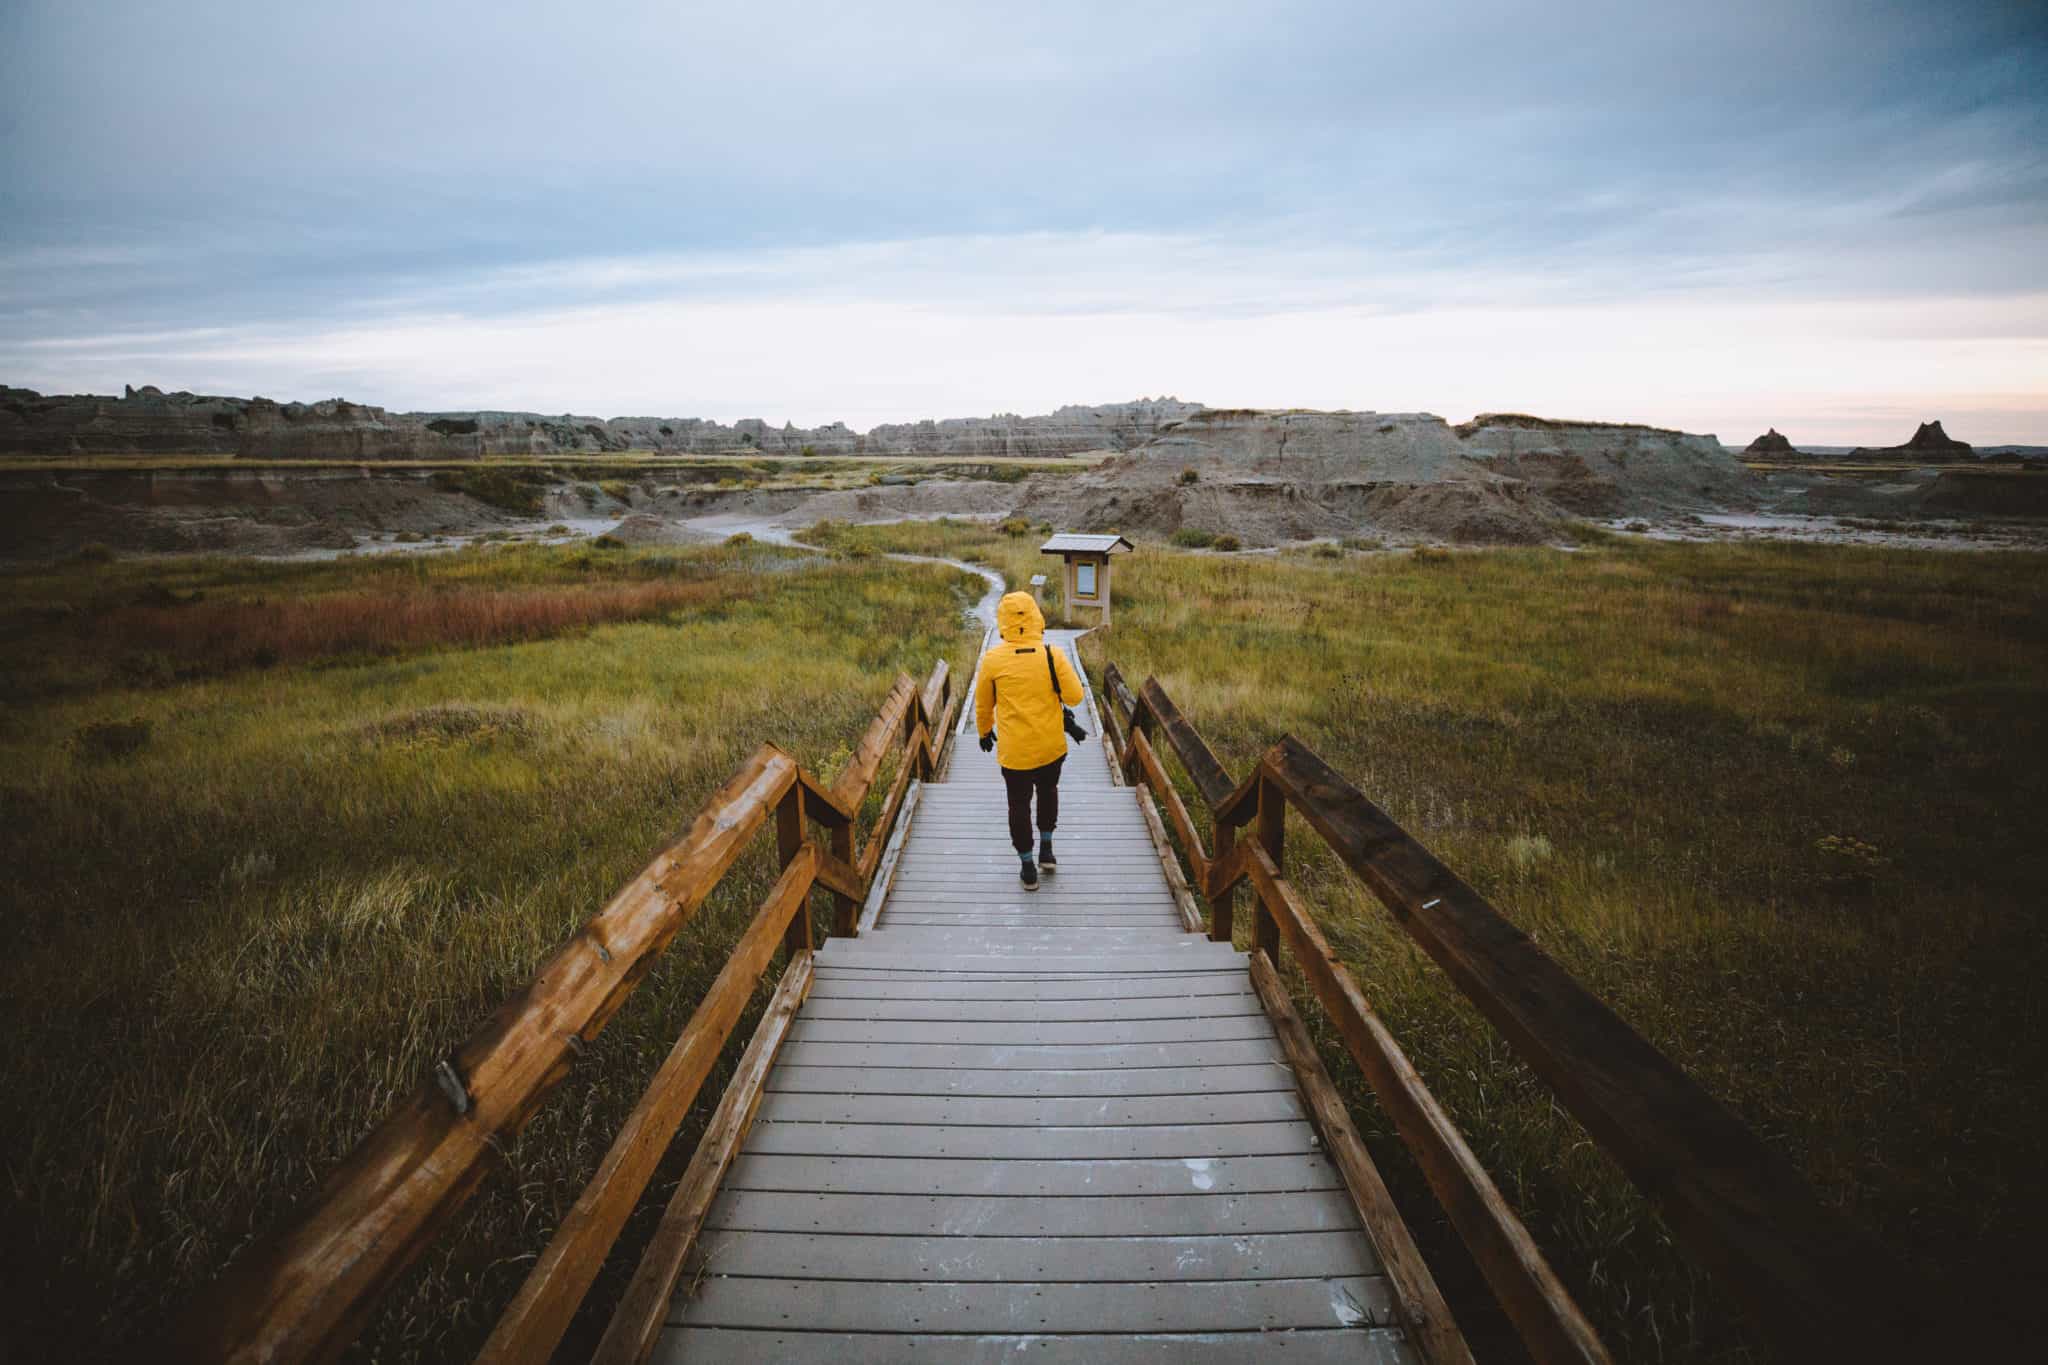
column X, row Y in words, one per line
column 1027, row 873
column 1046, row 861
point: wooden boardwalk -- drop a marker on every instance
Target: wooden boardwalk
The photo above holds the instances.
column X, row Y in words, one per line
column 1051, row 1126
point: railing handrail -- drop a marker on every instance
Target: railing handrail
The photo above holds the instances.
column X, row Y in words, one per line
column 305, row 1289
column 1813, row 1281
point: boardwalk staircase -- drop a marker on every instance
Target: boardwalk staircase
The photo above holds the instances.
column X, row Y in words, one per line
column 1076, row 1124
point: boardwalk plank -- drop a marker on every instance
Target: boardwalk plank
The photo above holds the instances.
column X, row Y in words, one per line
column 921, row 1176
column 970, row 1141
column 1184, row 1215
column 1031, row 1111
column 791, row 1255
column 745, row 1346
column 1024, row 1057
column 1032, row 1033
column 965, row 1081
column 846, row 984
column 945, row 1306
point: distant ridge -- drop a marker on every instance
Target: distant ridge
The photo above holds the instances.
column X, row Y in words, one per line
column 148, row 421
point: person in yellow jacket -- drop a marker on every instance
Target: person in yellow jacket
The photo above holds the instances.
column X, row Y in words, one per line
column 1018, row 711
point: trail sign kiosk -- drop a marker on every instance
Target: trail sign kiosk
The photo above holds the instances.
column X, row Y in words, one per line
column 1087, row 567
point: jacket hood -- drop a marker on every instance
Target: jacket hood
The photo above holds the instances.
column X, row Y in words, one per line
column 1018, row 618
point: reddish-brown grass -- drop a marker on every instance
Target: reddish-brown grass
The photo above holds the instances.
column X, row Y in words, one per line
column 228, row 633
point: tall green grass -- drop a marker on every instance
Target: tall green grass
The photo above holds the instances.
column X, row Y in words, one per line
column 244, row 911
column 1778, row 805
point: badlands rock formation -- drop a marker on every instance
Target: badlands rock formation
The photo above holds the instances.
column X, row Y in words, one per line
column 1930, row 445
column 147, row 421
column 1271, row 476
column 1769, row 444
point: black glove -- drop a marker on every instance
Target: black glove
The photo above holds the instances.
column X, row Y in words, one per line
column 988, row 741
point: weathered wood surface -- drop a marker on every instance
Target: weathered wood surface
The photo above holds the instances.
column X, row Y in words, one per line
column 636, row 1323
column 1326, row 1346
column 1423, row 1308
column 1814, row 1281
column 1543, row 1311
column 530, row 1328
column 1034, row 1118
column 301, row 1292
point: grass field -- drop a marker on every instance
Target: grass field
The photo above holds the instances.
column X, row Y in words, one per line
column 1778, row 805
column 277, row 835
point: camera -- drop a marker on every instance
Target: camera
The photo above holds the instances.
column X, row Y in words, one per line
column 1072, row 726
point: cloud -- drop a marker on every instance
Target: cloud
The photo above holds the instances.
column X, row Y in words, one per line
column 317, row 181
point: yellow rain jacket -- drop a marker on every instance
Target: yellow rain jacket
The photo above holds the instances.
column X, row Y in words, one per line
column 1013, row 693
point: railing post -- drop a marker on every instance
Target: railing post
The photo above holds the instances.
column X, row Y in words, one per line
column 1272, row 834
column 1222, row 907
column 845, row 910
column 789, row 842
column 1141, row 722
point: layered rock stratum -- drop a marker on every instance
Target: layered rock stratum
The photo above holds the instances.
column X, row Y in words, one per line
column 147, row 421
column 1267, row 476
column 1770, row 443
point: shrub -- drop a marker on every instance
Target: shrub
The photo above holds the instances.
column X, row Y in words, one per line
column 617, row 488
column 92, row 552
column 558, row 529
column 1015, row 526
column 739, row 538
column 109, row 739
column 1190, row 475
column 1429, row 554
column 609, row 543
column 807, row 450
column 1188, row 538
column 1322, row 549
column 1228, row 543
column 409, row 538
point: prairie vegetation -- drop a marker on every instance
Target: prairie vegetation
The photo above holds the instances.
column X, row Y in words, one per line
column 1778, row 805
column 249, row 900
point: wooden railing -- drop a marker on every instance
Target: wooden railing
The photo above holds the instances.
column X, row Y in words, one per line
column 1817, row 1286
column 304, row 1291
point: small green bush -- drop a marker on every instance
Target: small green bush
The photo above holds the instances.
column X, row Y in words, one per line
column 1015, row 526
column 617, row 488
column 1190, row 475
column 1430, row 554
column 1322, row 549
column 1228, row 543
column 609, row 543
column 1188, row 538
column 739, row 538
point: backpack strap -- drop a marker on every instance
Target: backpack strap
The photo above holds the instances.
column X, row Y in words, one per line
column 1052, row 675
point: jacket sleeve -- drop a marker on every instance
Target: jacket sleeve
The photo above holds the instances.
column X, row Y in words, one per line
column 1070, row 685
column 984, row 698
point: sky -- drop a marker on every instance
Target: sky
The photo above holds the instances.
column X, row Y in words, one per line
column 1828, row 217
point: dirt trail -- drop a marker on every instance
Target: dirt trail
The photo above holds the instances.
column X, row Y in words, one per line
column 982, row 612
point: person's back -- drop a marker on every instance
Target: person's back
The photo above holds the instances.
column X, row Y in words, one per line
column 1020, row 692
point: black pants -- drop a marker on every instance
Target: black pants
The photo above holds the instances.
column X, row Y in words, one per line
column 1020, row 783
